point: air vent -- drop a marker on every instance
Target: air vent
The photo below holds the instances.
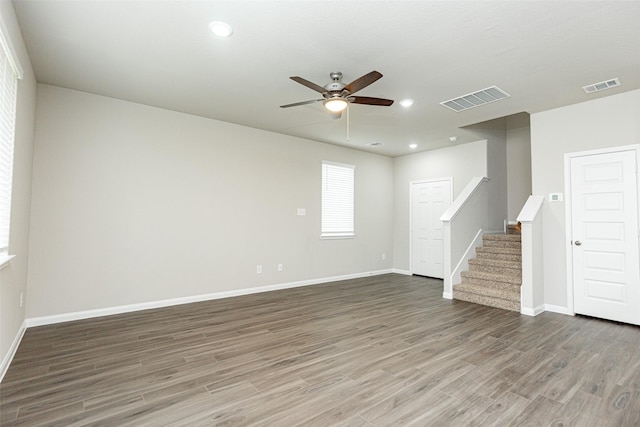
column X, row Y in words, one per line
column 375, row 144
column 475, row 99
column 597, row 87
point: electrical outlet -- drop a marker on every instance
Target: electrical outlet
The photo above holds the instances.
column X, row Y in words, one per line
column 21, row 299
column 279, row 267
column 384, row 256
column 259, row 269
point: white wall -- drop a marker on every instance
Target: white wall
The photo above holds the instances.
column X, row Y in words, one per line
column 461, row 162
column 508, row 162
column 13, row 279
column 604, row 122
column 133, row 204
column 497, row 174
column 518, row 169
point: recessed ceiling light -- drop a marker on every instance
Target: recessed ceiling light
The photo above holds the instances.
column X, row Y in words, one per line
column 413, row 146
column 221, row 29
column 453, row 138
column 375, row 144
column 406, row 102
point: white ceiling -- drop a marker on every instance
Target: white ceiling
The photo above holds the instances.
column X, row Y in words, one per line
column 161, row 53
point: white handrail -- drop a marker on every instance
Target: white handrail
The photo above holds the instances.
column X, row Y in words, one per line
column 465, row 220
column 463, row 198
column 530, row 209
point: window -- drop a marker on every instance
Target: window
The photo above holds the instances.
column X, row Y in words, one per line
column 337, row 200
column 10, row 72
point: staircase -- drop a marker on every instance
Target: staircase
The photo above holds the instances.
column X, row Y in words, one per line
column 495, row 275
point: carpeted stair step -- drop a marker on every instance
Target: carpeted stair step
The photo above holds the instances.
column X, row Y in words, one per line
column 507, row 254
column 490, row 278
column 509, row 292
column 502, row 241
column 486, row 300
column 503, row 244
column 496, row 266
column 480, row 286
column 499, row 250
column 494, row 277
column 501, row 237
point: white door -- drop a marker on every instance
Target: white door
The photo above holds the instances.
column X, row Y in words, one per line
column 604, row 236
column 429, row 200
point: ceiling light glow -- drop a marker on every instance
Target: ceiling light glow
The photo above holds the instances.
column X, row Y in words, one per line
column 335, row 104
column 221, row 29
column 406, row 102
column 453, row 138
column 413, row 146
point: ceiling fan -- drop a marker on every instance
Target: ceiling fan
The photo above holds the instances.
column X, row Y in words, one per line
column 336, row 95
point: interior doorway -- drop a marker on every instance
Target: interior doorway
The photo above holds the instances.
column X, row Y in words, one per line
column 602, row 214
column 429, row 200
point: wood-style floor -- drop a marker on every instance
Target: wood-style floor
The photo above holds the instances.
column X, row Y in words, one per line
column 382, row 351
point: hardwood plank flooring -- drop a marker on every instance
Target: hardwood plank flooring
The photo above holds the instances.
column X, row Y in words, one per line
column 378, row 351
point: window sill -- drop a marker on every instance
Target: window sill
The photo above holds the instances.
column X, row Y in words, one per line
column 4, row 260
column 337, row 236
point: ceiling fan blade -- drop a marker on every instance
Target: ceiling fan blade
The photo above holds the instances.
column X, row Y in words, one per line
column 295, row 104
column 308, row 84
column 370, row 101
column 363, row 82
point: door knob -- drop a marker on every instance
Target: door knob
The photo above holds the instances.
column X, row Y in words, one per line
column 578, row 243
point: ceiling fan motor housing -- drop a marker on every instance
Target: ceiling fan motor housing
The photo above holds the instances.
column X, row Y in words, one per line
column 336, row 85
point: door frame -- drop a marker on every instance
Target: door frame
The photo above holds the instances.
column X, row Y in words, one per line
column 568, row 213
column 411, row 184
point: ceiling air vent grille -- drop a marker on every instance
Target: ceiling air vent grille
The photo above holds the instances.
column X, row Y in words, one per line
column 475, row 99
column 375, row 144
column 596, row 87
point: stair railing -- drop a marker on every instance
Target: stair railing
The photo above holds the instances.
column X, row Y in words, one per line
column 464, row 222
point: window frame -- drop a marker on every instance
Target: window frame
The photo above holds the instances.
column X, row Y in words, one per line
column 336, row 199
column 10, row 73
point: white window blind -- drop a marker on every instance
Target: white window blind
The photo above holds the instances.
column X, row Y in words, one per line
column 337, row 199
column 9, row 74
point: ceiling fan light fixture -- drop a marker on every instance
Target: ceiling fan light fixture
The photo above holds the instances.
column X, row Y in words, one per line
column 335, row 105
column 221, row 29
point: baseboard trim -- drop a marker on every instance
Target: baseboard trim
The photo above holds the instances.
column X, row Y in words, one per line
column 88, row 314
column 558, row 309
column 532, row 311
column 398, row 271
column 4, row 366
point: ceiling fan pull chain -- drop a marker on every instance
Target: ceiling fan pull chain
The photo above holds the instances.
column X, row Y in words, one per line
column 347, row 122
